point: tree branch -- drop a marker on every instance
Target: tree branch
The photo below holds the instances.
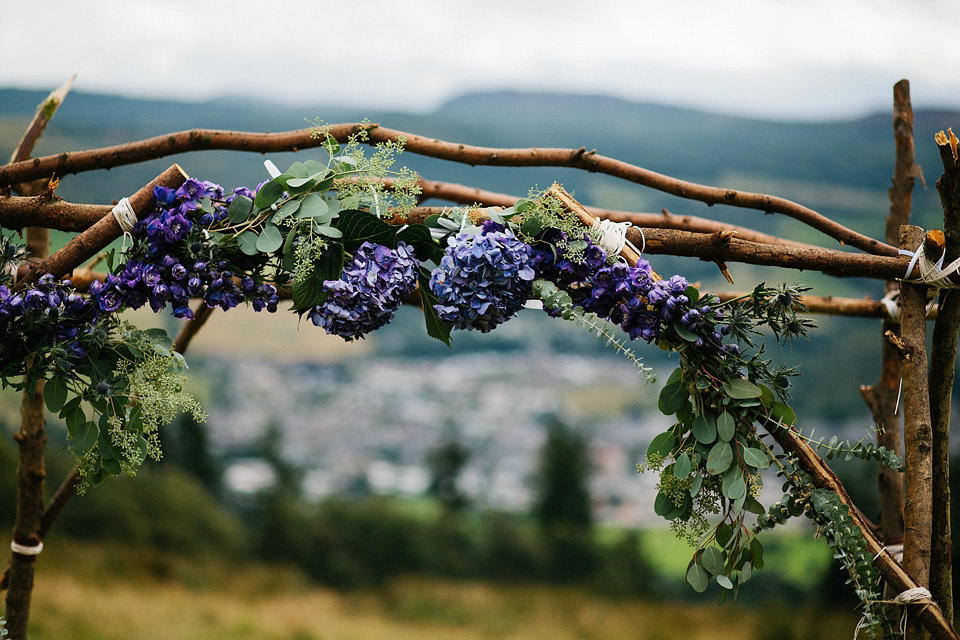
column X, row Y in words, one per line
column 201, row 139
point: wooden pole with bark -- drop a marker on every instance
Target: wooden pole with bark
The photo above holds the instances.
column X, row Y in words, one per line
column 942, row 370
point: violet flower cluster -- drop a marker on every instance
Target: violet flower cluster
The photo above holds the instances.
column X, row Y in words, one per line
column 627, row 296
column 370, row 289
column 171, row 263
column 484, row 279
column 46, row 316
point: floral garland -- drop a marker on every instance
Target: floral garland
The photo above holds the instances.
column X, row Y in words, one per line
column 319, row 230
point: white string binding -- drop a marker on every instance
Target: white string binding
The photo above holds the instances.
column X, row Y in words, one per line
column 930, row 273
column 24, row 550
column 613, row 236
column 126, row 217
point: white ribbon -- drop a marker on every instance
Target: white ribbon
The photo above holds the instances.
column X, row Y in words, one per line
column 25, row 550
column 613, row 236
column 126, row 217
column 930, row 273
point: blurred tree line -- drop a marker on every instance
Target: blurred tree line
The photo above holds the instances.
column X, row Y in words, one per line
column 180, row 505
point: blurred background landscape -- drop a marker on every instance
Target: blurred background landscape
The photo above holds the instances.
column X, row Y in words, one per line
column 397, row 488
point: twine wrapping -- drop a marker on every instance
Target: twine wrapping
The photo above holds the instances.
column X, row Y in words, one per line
column 929, row 272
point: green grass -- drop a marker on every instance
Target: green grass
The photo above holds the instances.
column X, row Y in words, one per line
column 87, row 592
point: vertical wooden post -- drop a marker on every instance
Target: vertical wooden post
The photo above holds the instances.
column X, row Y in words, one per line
column 917, row 433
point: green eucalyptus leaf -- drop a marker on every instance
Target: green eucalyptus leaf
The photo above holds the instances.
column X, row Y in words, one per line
column 112, row 466
column 720, row 458
column 681, row 468
column 781, row 412
column 684, row 333
column 752, row 505
column 756, row 548
column 663, row 444
column 733, row 485
column 313, row 206
column 55, row 394
column 75, row 419
column 741, row 389
column 269, row 193
column 269, row 240
column 724, row 534
column 698, row 578
column 726, row 426
column 247, row 241
column 287, row 209
column 696, row 484
column 724, row 581
column 712, row 559
column 705, row 428
column 239, row 209
column 672, row 397
column 756, row 458
column 84, row 438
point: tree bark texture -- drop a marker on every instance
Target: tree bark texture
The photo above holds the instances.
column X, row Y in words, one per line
column 917, row 432
column 942, row 370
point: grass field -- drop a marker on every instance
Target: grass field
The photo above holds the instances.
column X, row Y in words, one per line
column 86, row 592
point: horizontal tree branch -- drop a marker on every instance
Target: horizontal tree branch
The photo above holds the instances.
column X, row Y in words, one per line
column 463, row 194
column 205, row 139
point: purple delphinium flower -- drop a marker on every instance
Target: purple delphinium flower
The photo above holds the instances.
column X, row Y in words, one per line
column 370, row 289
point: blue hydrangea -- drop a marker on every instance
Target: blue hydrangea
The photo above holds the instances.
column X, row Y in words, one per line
column 483, row 279
column 371, row 288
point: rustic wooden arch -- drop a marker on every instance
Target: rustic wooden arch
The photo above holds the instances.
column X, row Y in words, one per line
column 921, row 519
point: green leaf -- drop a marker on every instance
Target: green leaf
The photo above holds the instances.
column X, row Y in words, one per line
column 696, row 484
column 269, row 193
column 84, row 438
column 672, row 397
column 726, row 426
column 720, row 458
column 112, row 466
column 239, row 209
column 681, row 467
column 269, row 240
column 752, row 505
column 288, row 208
column 55, row 394
column 705, row 428
column 741, row 389
column 308, row 292
column 359, row 227
column 684, row 333
column 662, row 444
column 733, row 485
column 724, row 581
column 313, row 206
column 698, row 578
column 436, row 328
column 756, row 458
column 247, row 241
column 781, row 412
column 75, row 419
column 418, row 236
column 756, row 547
column 330, row 264
column 692, row 294
column 712, row 560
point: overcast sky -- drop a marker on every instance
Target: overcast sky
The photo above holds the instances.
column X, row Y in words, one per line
column 783, row 59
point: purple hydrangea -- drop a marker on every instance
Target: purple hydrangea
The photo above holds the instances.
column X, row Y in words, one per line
column 25, row 317
column 370, row 289
column 483, row 279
